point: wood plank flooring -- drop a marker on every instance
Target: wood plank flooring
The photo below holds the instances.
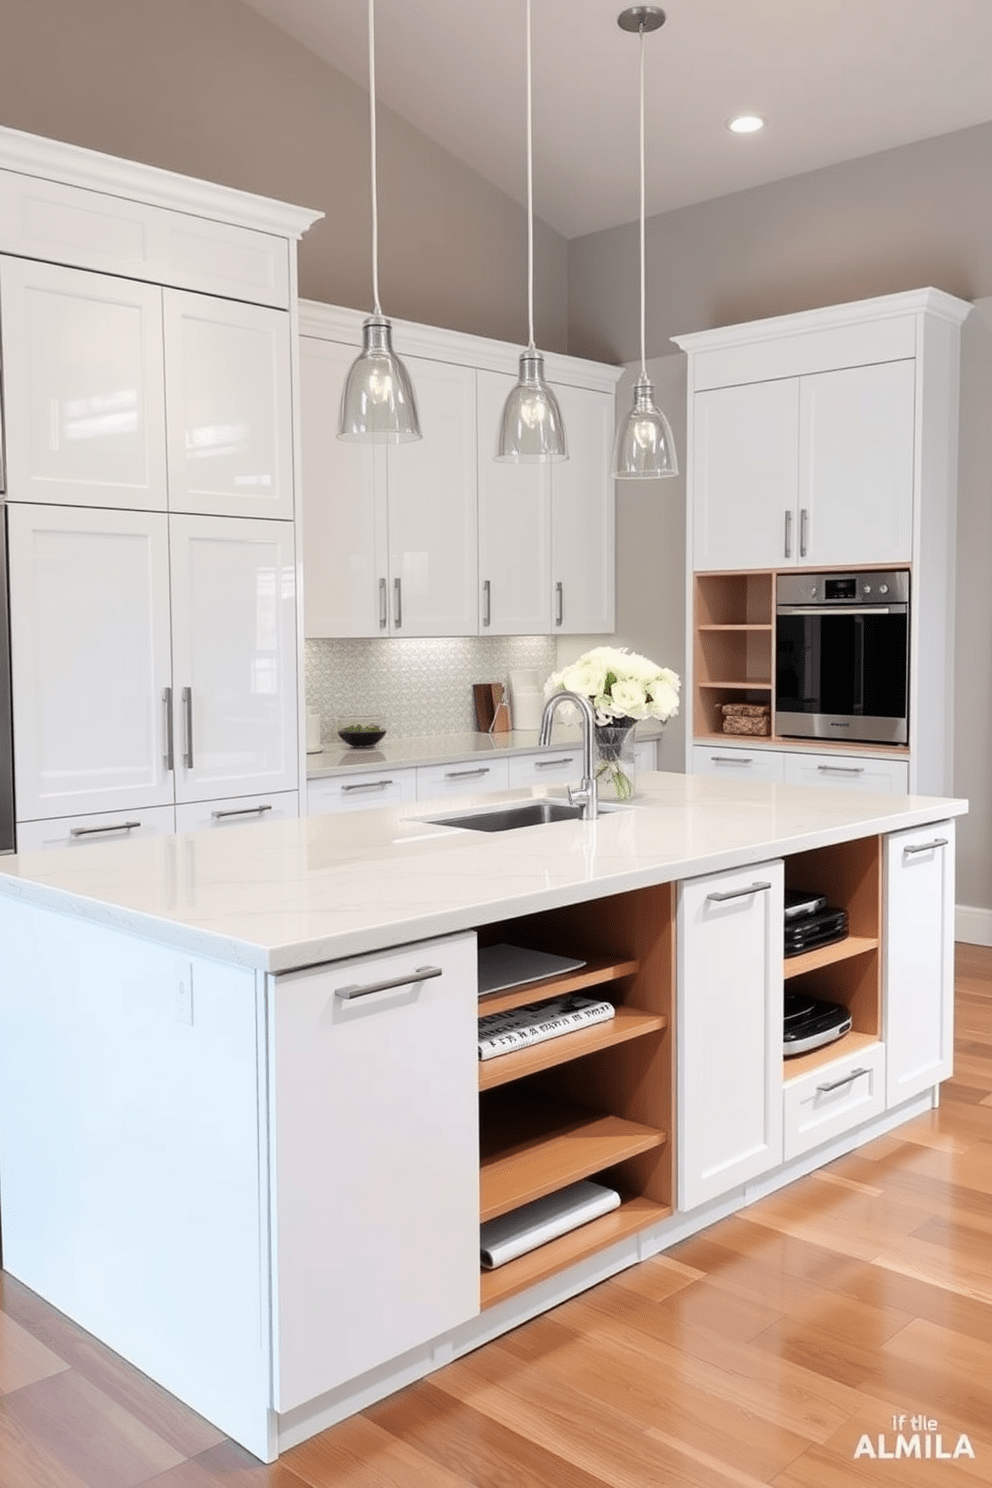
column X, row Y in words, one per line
column 767, row 1350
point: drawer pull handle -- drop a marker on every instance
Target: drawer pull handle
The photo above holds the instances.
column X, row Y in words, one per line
column 837, row 1084
column 925, row 846
column 422, row 974
column 188, row 715
column 549, row 764
column 464, row 774
column 170, row 751
column 366, row 785
column 841, row 769
column 128, row 826
column 788, row 534
column 487, row 602
column 241, row 811
column 727, row 759
column 383, row 605
column 398, row 603
column 559, row 603
column 723, row 894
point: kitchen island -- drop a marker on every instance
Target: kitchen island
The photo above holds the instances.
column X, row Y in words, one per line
column 245, row 1137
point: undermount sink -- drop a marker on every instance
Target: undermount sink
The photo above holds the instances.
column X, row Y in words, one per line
column 519, row 814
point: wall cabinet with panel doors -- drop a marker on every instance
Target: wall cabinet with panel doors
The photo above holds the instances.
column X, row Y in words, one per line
column 391, row 559
column 153, row 659
column 390, row 532
column 124, row 394
column 824, row 440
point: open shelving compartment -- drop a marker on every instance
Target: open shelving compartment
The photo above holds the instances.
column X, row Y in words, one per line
column 734, row 616
column 597, row 1103
column 848, row 971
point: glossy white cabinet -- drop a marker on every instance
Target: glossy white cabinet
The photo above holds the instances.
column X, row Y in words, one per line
column 374, row 1154
column 460, row 778
column 361, row 792
column 847, row 771
column 233, row 656
column 833, row 1098
column 102, row 826
column 228, row 407
column 237, row 811
column 83, row 387
column 391, row 533
column 582, row 517
column 918, row 964
column 738, row 764
column 546, row 767
column 729, row 954
column 514, row 527
column 90, row 659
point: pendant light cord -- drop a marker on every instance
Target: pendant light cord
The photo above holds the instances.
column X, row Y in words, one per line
column 644, row 371
column 530, row 194
column 375, row 191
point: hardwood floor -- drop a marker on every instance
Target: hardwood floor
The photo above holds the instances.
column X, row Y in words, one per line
column 781, row 1346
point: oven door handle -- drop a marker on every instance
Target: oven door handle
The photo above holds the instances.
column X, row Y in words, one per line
column 842, row 609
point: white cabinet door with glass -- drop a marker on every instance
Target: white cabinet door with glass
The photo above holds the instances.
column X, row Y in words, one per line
column 90, row 659
column 233, row 657
column 373, row 1078
column 918, row 977
column 390, row 534
column 83, row 387
column 816, row 469
column 730, row 1002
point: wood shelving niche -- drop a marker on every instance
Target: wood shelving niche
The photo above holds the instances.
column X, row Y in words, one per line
column 734, row 645
column 597, row 1103
column 849, row 970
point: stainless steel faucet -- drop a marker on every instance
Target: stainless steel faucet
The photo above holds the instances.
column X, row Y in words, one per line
column 585, row 796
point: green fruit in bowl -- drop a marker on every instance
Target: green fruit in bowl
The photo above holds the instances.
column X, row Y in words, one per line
column 361, row 735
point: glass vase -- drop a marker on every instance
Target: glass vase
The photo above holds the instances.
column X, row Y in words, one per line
column 615, row 759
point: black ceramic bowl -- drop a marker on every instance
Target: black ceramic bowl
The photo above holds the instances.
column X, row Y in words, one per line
column 361, row 735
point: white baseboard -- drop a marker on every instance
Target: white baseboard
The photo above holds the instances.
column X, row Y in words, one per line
column 973, row 925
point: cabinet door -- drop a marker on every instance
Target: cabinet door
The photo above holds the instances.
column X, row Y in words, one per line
column 461, row 778
column 84, row 831
column 847, row 771
column 737, row 764
column 237, row 811
column 229, row 407
column 433, row 527
column 729, row 1030
column 360, row 791
column 856, row 465
column 89, row 601
column 918, row 986
column 345, row 553
column 583, row 535
column 514, row 528
column 745, row 451
column 83, row 386
column 234, row 657
column 375, row 1160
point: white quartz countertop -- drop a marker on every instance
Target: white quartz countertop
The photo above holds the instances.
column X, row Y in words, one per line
column 280, row 895
column 436, row 749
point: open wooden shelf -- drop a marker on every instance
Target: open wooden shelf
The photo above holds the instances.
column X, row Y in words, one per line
column 534, row 1149
column 851, row 1043
column 633, row 1215
column 597, row 971
column 626, row 1023
column 828, row 955
column 759, row 684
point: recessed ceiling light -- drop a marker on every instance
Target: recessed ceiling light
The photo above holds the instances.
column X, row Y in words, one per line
column 746, row 123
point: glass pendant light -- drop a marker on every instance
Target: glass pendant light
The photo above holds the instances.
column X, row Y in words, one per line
column 644, row 445
column 531, row 428
column 378, row 402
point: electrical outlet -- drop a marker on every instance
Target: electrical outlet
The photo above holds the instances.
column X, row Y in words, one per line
column 184, row 1002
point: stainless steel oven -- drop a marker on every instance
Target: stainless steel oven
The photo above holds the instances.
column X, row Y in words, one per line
column 842, row 656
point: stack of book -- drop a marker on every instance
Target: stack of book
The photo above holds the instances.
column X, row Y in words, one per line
column 503, row 1033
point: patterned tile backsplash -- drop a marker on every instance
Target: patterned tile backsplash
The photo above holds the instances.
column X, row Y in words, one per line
column 415, row 686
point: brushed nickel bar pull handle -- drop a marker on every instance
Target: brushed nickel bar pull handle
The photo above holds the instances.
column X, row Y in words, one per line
column 398, row 603
column 487, row 602
column 170, row 755
column 721, row 895
column 548, row 764
column 559, row 603
column 422, row 974
column 788, row 534
column 837, row 1084
column 803, row 531
column 925, row 846
column 463, row 774
column 188, row 715
column 241, row 811
column 383, row 605
column 128, row 826
column 841, row 769
column 364, row 785
column 727, row 759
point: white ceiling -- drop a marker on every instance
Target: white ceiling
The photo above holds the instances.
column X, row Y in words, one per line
column 836, row 79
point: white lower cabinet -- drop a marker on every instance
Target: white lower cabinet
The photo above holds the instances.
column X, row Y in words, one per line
column 237, row 811
column 847, row 771
column 360, row 792
column 738, row 764
column 374, row 1160
column 729, row 949
column 829, row 1100
column 547, row 766
column 918, row 962
column 434, row 782
column 103, row 826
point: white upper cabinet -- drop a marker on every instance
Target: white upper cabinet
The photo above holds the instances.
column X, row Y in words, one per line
column 83, row 387
column 234, row 657
column 582, row 516
column 514, row 528
column 90, row 654
column 228, row 407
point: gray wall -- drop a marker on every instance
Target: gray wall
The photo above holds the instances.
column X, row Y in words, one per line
column 919, row 215
column 210, row 89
